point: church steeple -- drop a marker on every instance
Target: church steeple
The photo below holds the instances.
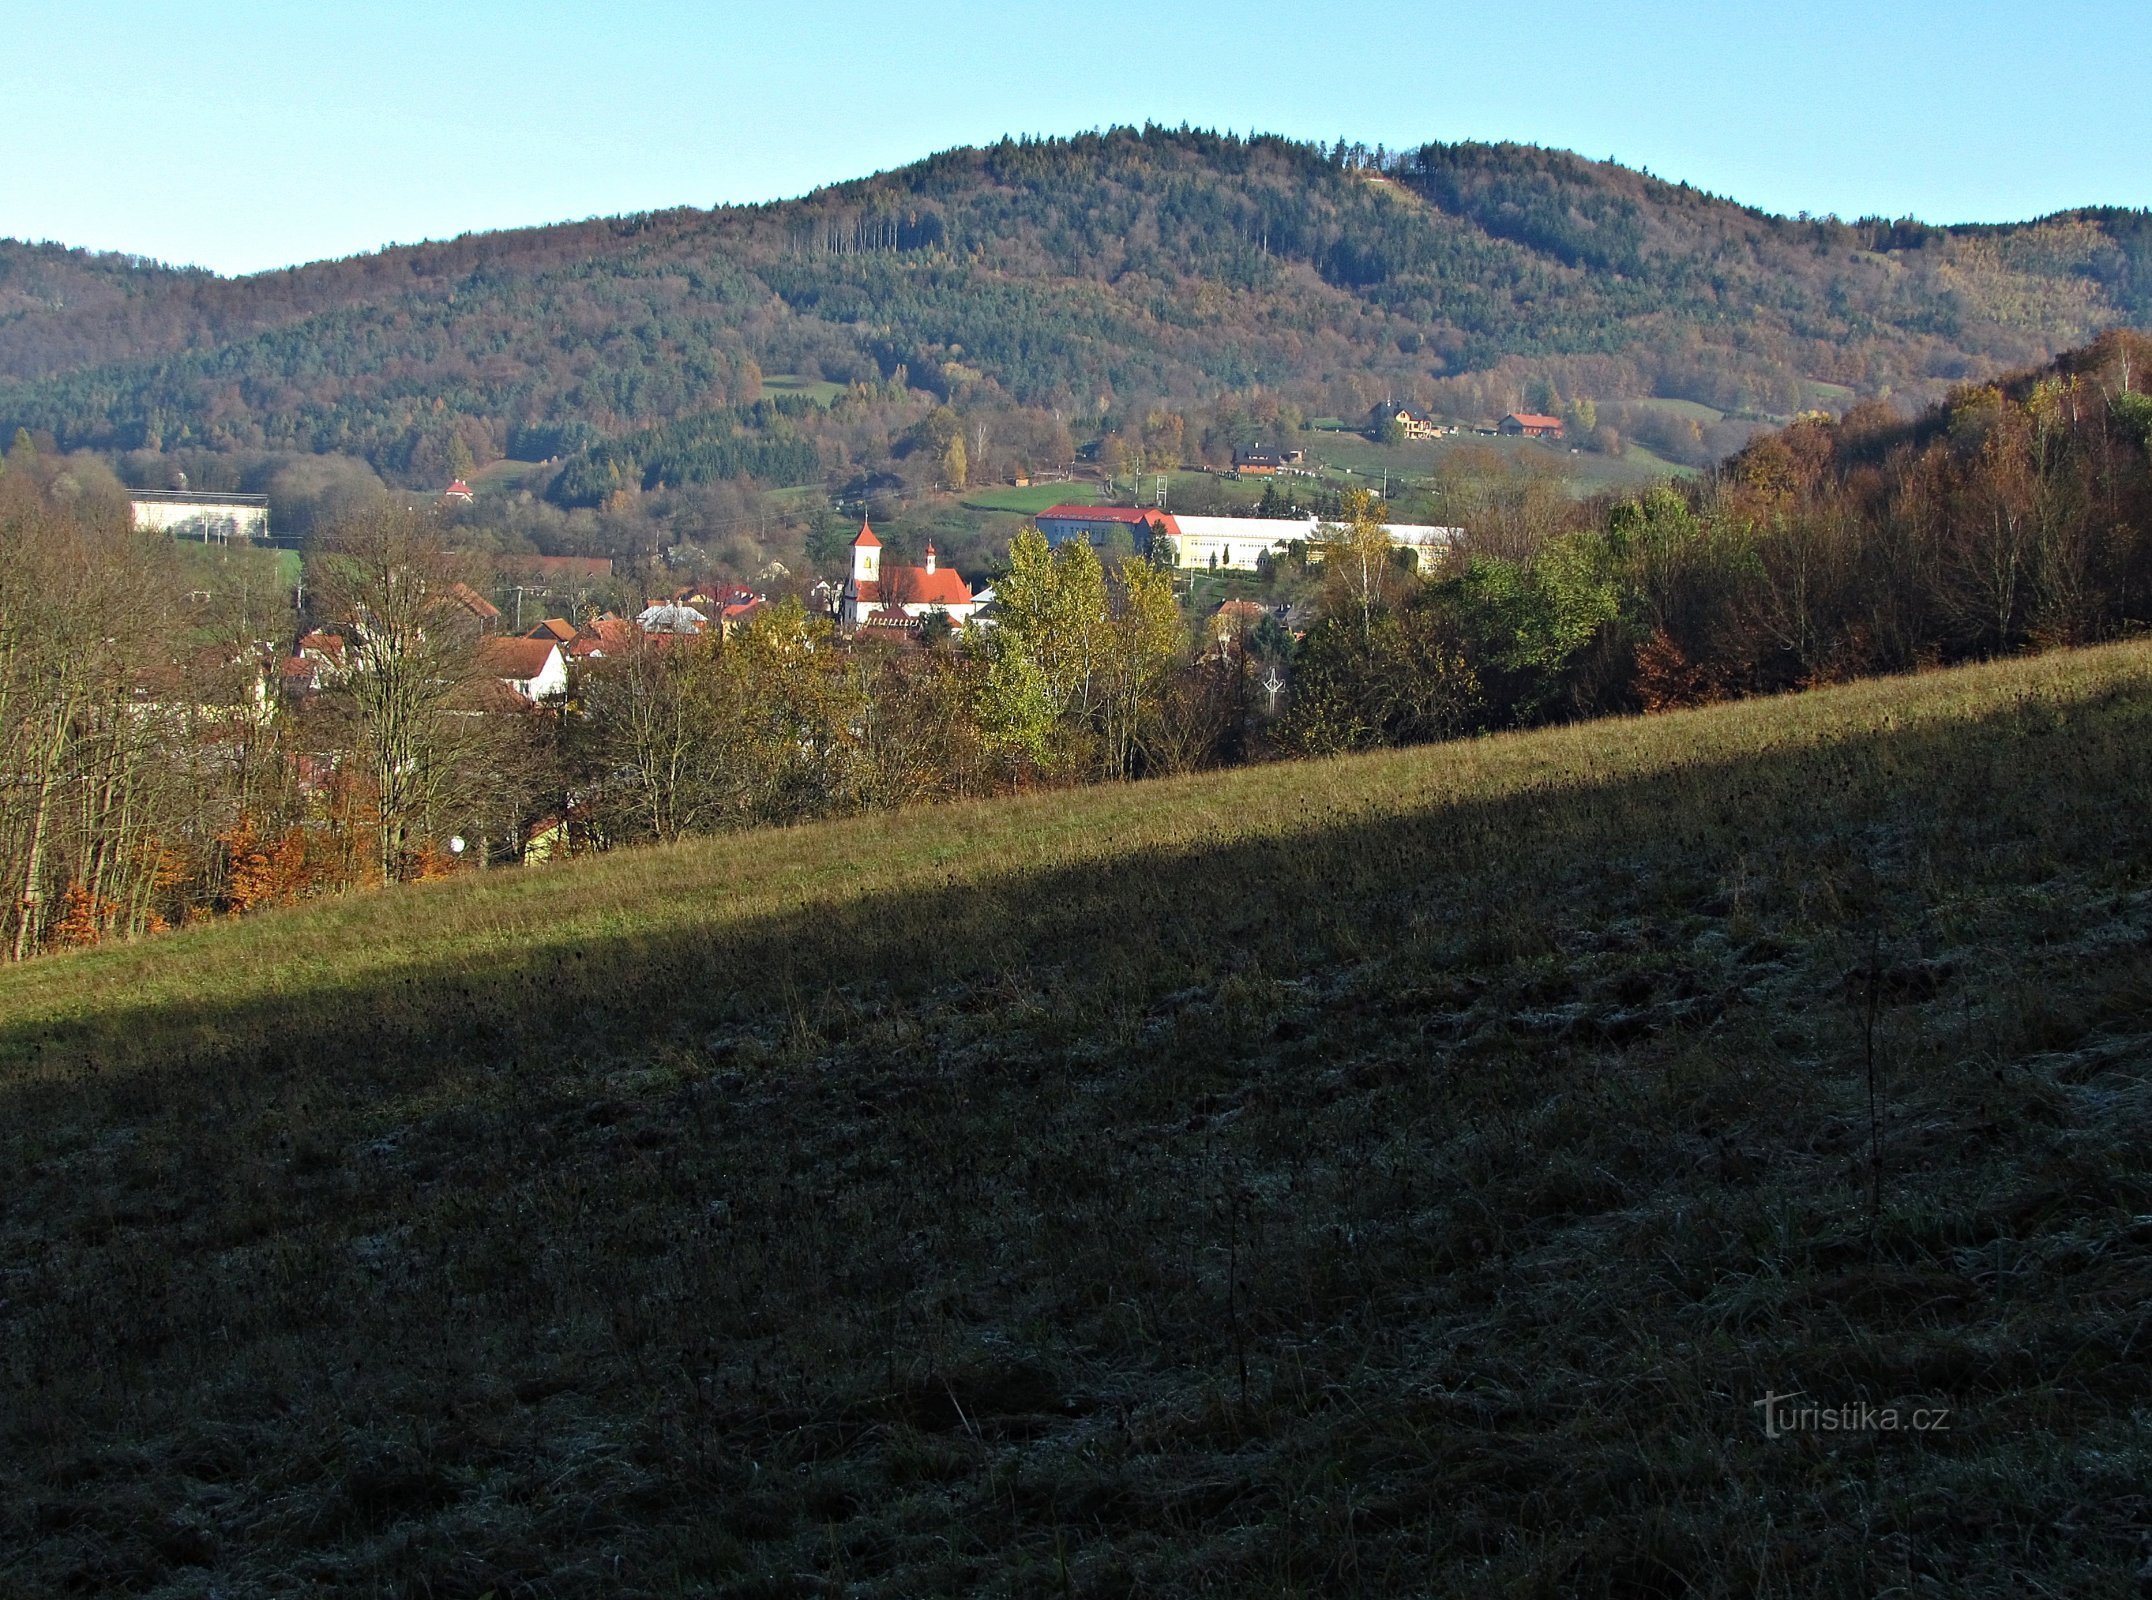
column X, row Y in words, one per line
column 866, row 556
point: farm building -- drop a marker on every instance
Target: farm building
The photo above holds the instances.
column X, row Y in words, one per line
column 1530, row 425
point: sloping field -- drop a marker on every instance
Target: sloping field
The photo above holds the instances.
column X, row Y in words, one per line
column 1404, row 1174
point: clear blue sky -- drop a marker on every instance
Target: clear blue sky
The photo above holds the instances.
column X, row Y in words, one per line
column 244, row 135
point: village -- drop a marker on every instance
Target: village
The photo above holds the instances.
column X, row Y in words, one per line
column 878, row 598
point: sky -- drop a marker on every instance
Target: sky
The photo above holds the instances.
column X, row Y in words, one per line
column 244, row 136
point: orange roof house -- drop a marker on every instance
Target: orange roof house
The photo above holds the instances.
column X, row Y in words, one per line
column 477, row 604
column 533, row 668
column 1531, row 424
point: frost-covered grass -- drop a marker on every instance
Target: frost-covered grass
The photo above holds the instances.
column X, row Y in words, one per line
column 1401, row 1173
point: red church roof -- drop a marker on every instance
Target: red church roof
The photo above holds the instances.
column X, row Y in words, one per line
column 866, row 539
column 918, row 587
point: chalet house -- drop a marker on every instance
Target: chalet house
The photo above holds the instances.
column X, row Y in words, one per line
column 896, row 596
column 1416, row 424
column 458, row 491
column 1530, row 425
column 1261, row 462
column 533, row 668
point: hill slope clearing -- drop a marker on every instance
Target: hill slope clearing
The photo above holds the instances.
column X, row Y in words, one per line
column 1398, row 1174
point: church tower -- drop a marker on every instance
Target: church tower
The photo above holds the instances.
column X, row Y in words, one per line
column 866, row 556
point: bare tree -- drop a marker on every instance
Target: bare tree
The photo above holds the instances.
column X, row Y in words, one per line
column 424, row 719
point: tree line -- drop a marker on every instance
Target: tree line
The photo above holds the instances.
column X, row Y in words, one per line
column 2015, row 516
column 153, row 778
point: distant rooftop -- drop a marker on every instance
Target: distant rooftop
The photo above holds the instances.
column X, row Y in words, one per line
column 196, row 497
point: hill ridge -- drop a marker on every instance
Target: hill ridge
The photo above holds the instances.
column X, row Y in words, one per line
column 1055, row 273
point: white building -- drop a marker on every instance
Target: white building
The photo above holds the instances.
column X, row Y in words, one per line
column 211, row 518
column 533, row 668
column 1235, row 544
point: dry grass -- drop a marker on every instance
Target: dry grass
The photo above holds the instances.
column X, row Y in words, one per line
column 1400, row 1174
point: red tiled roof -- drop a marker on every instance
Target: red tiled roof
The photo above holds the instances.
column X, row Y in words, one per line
column 606, row 636
column 558, row 629
column 866, row 539
column 474, row 602
column 516, row 658
column 1532, row 419
column 944, row 586
column 1109, row 514
column 328, row 644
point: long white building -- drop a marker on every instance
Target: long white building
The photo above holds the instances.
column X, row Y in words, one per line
column 1228, row 544
column 211, row 518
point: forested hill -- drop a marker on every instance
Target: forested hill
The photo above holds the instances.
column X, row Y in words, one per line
column 1082, row 274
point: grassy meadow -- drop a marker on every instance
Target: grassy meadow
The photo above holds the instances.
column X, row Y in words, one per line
column 1398, row 1174
column 1350, row 455
column 1029, row 500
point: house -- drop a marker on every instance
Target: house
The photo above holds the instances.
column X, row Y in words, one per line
column 1415, row 424
column 1531, row 425
column 533, row 668
column 559, row 629
column 1261, row 462
column 609, row 636
column 458, row 491
column 670, row 617
column 897, row 596
column 733, row 613
column 487, row 613
column 1095, row 524
column 1236, row 619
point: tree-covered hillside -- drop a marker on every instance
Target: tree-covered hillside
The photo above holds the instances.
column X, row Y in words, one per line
column 1082, row 275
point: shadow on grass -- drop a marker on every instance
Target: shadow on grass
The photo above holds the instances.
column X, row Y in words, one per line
column 1842, row 832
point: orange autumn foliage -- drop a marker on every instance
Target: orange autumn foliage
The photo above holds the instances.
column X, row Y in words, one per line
column 84, row 919
column 262, row 873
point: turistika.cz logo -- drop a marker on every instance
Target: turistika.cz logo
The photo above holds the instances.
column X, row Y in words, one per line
column 1782, row 1416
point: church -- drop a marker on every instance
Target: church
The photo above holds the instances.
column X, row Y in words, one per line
column 891, row 596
